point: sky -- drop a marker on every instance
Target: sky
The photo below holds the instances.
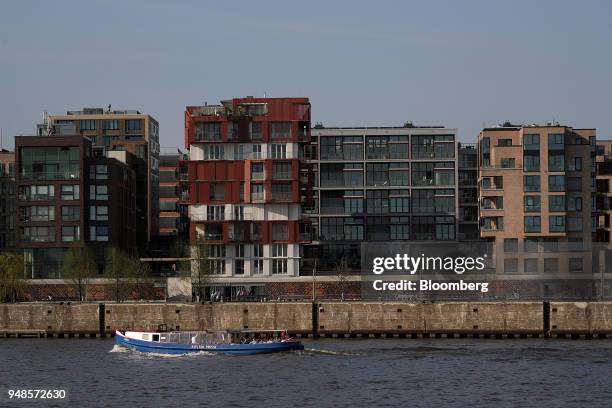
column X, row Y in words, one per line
column 461, row 64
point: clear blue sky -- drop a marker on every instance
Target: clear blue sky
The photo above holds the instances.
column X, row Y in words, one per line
column 455, row 63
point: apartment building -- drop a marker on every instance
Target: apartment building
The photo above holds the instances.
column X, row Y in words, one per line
column 244, row 189
column 379, row 184
column 7, row 200
column 536, row 193
column 468, row 192
column 71, row 195
column 129, row 130
column 603, row 199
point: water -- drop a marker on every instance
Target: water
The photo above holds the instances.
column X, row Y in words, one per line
column 381, row 372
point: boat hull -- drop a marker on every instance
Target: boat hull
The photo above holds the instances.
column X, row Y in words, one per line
column 228, row 349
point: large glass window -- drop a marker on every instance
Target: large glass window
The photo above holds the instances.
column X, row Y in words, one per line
column 378, row 201
column 400, row 228
column 399, row 201
column 280, row 130
column 423, row 228
column 98, row 213
column 422, row 147
column 556, row 161
column 257, row 192
column 280, row 232
column 377, row 147
column 38, row 213
column 422, row 174
column 37, row 193
column 531, row 142
column 38, row 234
column 341, row 148
column 556, row 141
column 98, row 233
column 217, row 191
column 281, row 191
column 378, row 174
column 574, row 203
column 208, row 131
column 399, row 174
column 281, row 170
column 423, row 201
column 98, row 172
column 444, row 150
column 255, row 131
column 50, row 163
column 111, row 124
column 134, row 125
column 399, row 147
column 257, row 171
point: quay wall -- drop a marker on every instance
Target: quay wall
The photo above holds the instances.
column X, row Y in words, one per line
column 324, row 319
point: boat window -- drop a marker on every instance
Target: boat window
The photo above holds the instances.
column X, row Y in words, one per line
column 145, row 336
column 156, row 337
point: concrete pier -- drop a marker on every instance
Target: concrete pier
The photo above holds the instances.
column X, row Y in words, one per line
column 325, row 319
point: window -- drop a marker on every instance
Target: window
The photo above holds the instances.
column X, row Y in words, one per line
column 575, row 265
column 215, row 212
column 38, row 234
column 71, row 213
column 98, row 233
column 504, row 142
column 556, row 223
column 574, row 223
column 98, row 192
column 207, row 131
column 556, row 141
column 531, row 161
column 511, row 245
column 422, row 147
column 88, row 124
column 574, row 184
column 551, row 265
column 70, row 233
column 239, row 212
column 399, row 228
column 532, row 204
column 556, row 161
column 377, row 201
column 111, row 124
column 574, row 164
column 281, row 191
column 531, row 184
column 217, row 191
column 399, row 201
column 445, row 228
column 280, row 232
column 238, row 151
column 531, row 245
column 510, row 265
column 532, row 224
column 556, row 183
column 98, row 172
column 422, row 174
column 37, row 193
column 50, row 163
column 447, row 178
column 278, row 151
column 279, row 266
column 556, row 203
column 508, row 163
column 531, row 265
column 257, row 171
column 399, row 174
column 69, row 192
column 214, row 152
column 281, row 170
column 280, row 130
column 134, row 125
column 444, row 150
column 574, row 203
column 38, row 213
column 255, row 131
column 531, row 142
column 257, row 192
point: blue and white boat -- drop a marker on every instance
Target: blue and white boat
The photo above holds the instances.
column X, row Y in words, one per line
column 242, row 342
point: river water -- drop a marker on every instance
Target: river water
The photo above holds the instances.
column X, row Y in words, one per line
column 356, row 372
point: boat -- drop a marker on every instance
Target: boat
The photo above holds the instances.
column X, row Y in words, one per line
column 240, row 342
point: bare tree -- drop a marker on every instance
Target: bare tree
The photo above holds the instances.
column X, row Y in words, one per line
column 12, row 284
column 79, row 267
column 201, row 270
column 137, row 272
column 342, row 273
column 116, row 270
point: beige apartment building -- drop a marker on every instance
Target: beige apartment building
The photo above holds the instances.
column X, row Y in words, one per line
column 130, row 130
column 536, row 188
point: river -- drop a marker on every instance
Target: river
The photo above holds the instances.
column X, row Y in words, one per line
column 356, row 372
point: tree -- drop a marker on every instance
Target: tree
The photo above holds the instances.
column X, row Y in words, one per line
column 79, row 267
column 116, row 270
column 137, row 272
column 342, row 273
column 12, row 284
column 200, row 266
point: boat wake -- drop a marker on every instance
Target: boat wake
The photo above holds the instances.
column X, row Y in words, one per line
column 328, row 352
column 118, row 349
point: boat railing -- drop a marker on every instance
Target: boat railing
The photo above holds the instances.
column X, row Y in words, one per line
column 198, row 338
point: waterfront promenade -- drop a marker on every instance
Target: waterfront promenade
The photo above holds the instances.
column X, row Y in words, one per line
column 320, row 319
